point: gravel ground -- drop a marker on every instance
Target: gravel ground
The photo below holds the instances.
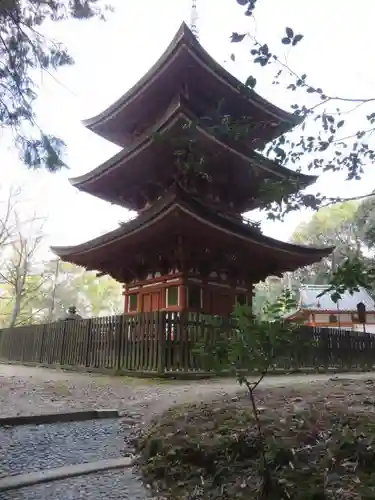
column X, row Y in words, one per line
column 31, row 448
column 29, row 390
column 111, row 485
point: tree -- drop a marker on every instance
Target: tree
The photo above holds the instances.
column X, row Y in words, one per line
column 68, row 285
column 348, row 226
column 24, row 49
column 255, row 346
column 358, row 270
column 37, row 292
column 337, row 226
column 103, row 295
column 324, row 140
column 267, row 292
column 18, row 271
column 365, row 217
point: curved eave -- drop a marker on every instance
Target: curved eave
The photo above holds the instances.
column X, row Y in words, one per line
column 178, row 199
column 184, row 38
column 180, row 111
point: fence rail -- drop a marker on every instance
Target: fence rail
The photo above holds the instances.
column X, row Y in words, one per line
column 164, row 342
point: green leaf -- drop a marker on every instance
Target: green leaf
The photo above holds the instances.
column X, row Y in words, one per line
column 289, row 32
column 297, row 39
column 24, row 53
column 236, row 37
column 280, row 154
column 340, row 123
column 251, row 82
column 285, row 41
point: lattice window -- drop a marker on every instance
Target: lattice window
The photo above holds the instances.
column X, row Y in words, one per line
column 333, row 318
column 132, row 302
column 172, row 296
column 195, row 297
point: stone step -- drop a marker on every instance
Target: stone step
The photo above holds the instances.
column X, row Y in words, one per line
column 121, row 484
column 31, row 448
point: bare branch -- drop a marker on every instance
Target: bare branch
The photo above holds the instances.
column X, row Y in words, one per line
column 304, row 83
column 333, row 201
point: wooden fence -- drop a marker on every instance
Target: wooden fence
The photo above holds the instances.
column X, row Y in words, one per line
column 165, row 343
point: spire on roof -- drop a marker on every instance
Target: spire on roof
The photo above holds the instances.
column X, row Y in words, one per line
column 194, row 18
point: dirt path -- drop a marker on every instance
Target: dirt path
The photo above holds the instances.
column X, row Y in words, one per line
column 29, row 390
column 26, row 390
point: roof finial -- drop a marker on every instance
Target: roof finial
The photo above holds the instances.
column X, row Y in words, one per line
column 194, row 18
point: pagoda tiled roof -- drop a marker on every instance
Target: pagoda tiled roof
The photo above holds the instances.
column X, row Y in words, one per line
column 140, row 160
column 175, row 66
column 125, row 239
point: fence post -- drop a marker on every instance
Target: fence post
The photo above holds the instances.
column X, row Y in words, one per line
column 42, row 344
column 88, row 342
column 161, row 333
column 63, row 334
column 120, row 340
column 23, row 348
column 4, row 344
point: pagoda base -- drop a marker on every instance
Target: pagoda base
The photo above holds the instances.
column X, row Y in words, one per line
column 183, row 292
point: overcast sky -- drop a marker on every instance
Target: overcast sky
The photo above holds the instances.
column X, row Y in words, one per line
column 112, row 56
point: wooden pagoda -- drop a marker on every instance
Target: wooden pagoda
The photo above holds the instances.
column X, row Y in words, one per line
column 189, row 132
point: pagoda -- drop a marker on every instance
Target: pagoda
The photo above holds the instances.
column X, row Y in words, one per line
column 189, row 133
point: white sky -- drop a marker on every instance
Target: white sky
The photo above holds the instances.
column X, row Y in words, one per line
column 111, row 56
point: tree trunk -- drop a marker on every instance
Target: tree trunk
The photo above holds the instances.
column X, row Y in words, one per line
column 16, row 310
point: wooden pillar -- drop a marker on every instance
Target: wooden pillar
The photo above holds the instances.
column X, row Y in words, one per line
column 233, row 289
column 181, row 264
column 250, row 294
column 205, row 300
column 125, row 294
column 183, row 295
column 139, row 300
column 160, row 332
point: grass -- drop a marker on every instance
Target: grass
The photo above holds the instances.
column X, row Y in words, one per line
column 320, row 444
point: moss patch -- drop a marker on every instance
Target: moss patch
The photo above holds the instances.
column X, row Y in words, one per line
column 320, row 444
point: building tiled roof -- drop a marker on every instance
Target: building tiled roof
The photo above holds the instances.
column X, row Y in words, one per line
column 310, row 299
